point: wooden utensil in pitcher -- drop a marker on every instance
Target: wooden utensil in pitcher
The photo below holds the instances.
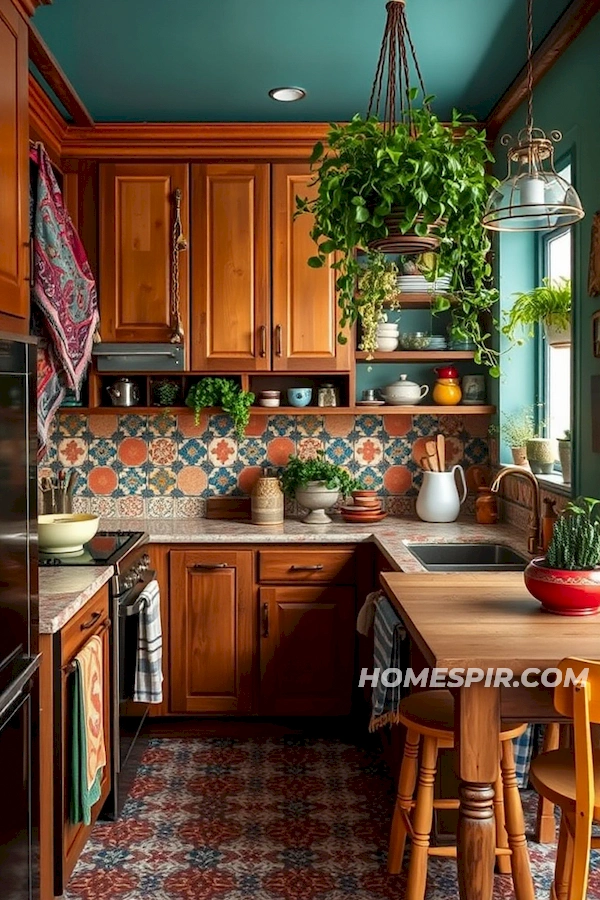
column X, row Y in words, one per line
column 441, row 451
column 434, row 463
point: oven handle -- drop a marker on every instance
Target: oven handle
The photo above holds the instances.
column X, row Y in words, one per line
column 135, row 602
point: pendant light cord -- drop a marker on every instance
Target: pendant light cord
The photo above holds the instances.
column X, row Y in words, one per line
column 530, row 68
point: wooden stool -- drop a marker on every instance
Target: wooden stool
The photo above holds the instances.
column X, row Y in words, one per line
column 430, row 715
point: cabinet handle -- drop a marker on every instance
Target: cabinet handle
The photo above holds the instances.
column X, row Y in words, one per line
column 200, row 567
column 306, row 568
column 263, row 340
column 91, row 621
column 278, row 344
column 265, row 619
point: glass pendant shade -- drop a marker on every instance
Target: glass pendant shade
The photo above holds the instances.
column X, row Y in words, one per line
column 533, row 196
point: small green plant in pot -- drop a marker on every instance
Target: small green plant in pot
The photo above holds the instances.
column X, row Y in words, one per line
column 567, row 580
column 225, row 393
column 317, row 485
column 549, row 305
column 518, row 428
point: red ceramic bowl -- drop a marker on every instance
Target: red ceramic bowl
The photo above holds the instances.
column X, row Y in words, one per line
column 562, row 591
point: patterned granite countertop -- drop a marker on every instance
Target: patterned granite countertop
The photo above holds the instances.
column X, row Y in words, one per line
column 63, row 591
column 391, row 536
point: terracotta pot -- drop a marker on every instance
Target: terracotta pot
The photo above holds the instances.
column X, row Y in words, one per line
column 562, row 591
column 519, row 455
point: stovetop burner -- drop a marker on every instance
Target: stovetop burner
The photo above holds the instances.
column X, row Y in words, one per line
column 105, row 548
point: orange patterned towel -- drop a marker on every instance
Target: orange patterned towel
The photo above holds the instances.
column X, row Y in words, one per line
column 90, row 662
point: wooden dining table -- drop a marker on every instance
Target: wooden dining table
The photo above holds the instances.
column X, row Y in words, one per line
column 487, row 621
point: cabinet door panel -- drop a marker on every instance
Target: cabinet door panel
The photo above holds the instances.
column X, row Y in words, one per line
column 211, row 631
column 14, row 180
column 136, row 216
column 230, row 267
column 305, row 311
column 307, row 650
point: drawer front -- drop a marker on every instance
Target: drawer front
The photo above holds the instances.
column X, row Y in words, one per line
column 306, row 566
column 88, row 621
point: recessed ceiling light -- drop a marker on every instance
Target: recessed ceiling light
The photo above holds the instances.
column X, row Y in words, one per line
column 287, row 94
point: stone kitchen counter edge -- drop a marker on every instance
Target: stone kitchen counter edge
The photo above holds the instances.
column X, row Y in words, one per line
column 63, row 591
column 390, row 536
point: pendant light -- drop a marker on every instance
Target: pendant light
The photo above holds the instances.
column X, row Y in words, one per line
column 533, row 196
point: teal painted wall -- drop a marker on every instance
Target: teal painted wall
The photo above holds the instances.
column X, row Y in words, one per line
column 568, row 98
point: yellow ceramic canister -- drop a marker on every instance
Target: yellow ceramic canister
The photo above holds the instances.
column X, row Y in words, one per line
column 447, row 392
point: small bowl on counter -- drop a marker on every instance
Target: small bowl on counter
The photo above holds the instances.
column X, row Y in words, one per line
column 269, row 398
column 300, row 396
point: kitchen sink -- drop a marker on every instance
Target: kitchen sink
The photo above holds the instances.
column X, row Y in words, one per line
column 468, row 557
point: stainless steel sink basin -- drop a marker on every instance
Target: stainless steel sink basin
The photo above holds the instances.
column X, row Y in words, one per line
column 468, row 557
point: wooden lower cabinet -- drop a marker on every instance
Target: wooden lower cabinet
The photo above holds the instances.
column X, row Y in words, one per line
column 212, row 631
column 307, row 650
column 60, row 851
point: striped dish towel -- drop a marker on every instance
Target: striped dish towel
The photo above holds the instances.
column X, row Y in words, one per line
column 389, row 634
column 148, row 670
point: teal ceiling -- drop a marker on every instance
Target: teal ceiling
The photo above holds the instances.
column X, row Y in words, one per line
column 215, row 60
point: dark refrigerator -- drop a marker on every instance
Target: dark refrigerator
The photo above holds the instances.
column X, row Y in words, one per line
column 19, row 700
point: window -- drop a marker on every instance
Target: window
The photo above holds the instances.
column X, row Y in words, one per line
column 556, row 258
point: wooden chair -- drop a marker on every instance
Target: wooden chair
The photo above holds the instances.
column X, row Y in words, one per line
column 429, row 715
column 570, row 778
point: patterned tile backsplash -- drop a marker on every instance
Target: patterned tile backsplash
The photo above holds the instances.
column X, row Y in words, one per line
column 165, row 465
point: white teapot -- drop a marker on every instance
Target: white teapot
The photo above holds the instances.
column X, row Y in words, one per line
column 404, row 393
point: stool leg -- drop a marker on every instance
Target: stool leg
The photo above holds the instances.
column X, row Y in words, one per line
column 515, row 827
column 422, row 822
column 503, row 865
column 402, row 809
column 564, row 862
column 545, row 826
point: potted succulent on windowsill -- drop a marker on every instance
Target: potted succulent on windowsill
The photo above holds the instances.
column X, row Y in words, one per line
column 421, row 178
column 567, row 580
column 549, row 305
column 517, row 429
column 564, row 454
column 317, row 485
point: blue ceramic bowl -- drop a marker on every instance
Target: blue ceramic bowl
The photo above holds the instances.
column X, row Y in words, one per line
column 299, row 396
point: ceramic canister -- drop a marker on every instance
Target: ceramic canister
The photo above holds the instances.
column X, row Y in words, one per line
column 267, row 502
column 473, row 390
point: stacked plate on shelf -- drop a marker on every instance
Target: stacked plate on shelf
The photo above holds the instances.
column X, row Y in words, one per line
column 437, row 342
column 365, row 508
column 418, row 284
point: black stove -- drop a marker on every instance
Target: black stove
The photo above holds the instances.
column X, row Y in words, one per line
column 106, row 548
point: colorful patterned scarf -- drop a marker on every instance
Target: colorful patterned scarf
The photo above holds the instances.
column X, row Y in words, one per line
column 64, row 297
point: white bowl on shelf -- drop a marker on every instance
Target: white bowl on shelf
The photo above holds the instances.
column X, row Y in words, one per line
column 387, row 344
column 66, row 532
column 271, row 402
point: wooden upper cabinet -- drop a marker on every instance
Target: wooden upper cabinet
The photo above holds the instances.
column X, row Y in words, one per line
column 137, row 215
column 305, row 310
column 307, row 650
column 14, row 169
column 230, row 267
column 212, row 631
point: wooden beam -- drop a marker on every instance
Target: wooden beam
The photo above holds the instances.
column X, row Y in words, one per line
column 52, row 73
column 576, row 16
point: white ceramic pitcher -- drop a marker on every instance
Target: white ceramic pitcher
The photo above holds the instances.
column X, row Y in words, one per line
column 438, row 499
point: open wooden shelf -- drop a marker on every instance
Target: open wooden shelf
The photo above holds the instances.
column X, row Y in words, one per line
column 414, row 355
column 284, row 410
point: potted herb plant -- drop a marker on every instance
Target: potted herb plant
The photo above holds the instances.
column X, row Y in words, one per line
column 549, row 304
column 317, row 485
column 564, row 455
column 420, row 177
column 517, row 429
column 567, row 580
column 378, row 287
column 225, row 393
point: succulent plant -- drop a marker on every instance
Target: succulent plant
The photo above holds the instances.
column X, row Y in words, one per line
column 165, row 392
column 575, row 542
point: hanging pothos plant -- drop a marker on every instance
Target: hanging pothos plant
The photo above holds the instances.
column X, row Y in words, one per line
column 378, row 287
column 433, row 176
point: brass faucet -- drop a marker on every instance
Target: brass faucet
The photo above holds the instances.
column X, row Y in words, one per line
column 534, row 540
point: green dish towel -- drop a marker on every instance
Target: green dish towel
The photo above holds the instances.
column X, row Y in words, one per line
column 82, row 799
